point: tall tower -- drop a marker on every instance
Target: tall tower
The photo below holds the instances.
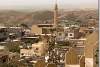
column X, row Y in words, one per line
column 55, row 13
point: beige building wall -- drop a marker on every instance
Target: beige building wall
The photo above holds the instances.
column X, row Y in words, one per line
column 91, row 41
column 71, row 57
column 82, row 61
column 26, row 52
column 36, row 30
column 39, row 48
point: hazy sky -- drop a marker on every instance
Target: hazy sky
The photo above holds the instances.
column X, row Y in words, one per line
column 42, row 4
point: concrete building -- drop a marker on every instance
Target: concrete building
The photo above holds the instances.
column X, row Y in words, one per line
column 68, row 33
column 73, row 32
column 36, row 30
column 26, row 52
column 3, row 33
column 79, row 45
column 46, row 28
column 15, row 30
column 72, row 59
column 4, row 54
column 92, row 22
column 37, row 49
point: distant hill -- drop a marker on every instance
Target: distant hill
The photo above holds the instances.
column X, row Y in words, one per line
column 18, row 17
column 81, row 16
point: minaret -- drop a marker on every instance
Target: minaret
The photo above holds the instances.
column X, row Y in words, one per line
column 55, row 13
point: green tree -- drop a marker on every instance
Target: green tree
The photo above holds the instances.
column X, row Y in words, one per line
column 13, row 46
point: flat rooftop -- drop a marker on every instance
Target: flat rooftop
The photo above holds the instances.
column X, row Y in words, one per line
column 72, row 65
column 45, row 25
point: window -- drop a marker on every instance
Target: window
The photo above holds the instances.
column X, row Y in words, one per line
column 66, row 34
column 70, row 34
column 22, row 53
column 60, row 34
column 37, row 48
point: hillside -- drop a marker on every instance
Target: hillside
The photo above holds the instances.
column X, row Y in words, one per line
column 17, row 17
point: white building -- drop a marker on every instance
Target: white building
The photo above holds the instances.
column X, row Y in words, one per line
column 26, row 52
column 38, row 49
